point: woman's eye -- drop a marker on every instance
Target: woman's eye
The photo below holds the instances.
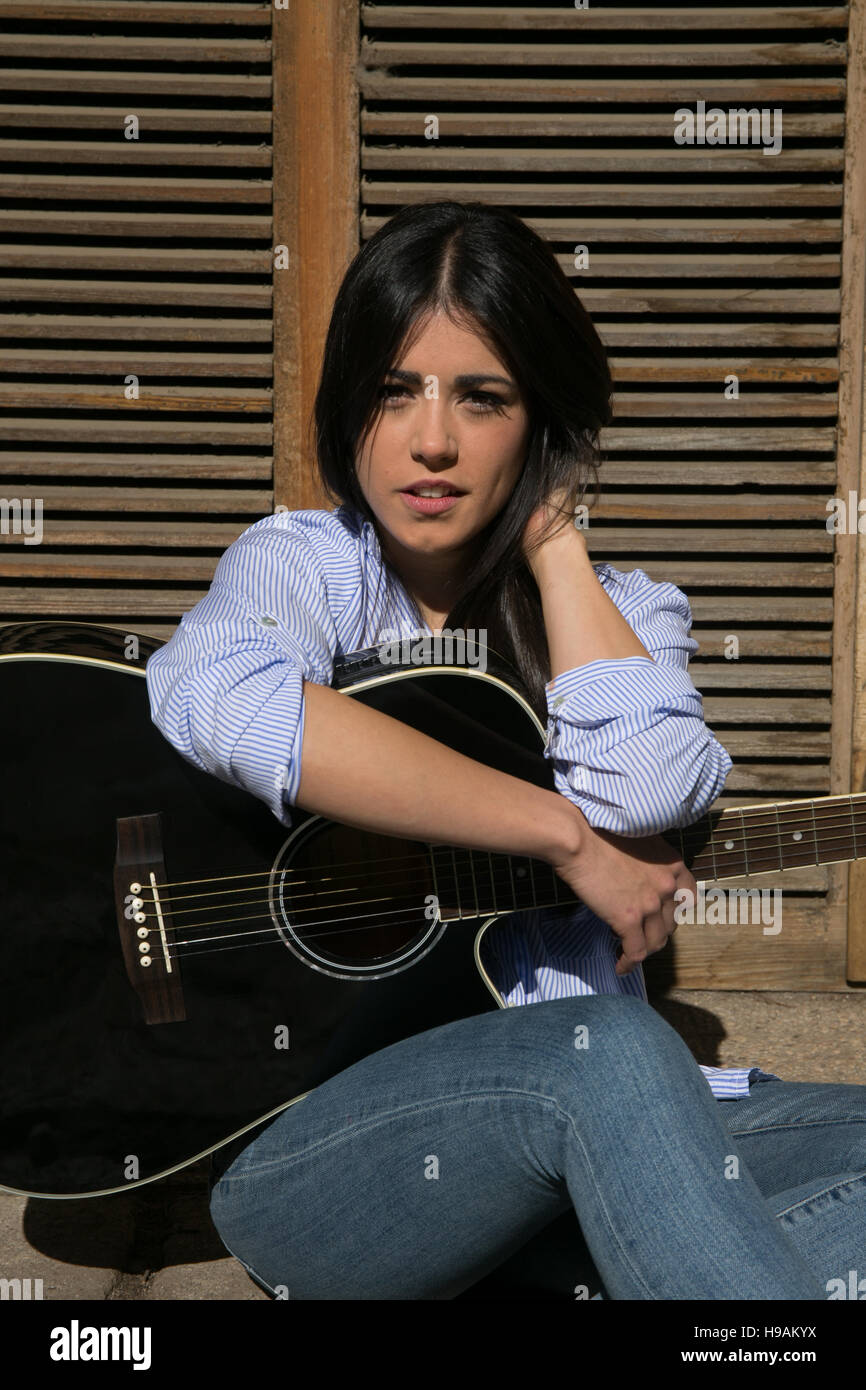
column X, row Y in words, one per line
column 388, row 391
column 484, row 402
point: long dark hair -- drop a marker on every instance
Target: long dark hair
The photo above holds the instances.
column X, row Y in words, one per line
column 489, row 272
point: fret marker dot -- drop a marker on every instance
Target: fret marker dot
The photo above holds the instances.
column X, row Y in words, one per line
column 729, row 844
column 521, row 873
column 797, row 835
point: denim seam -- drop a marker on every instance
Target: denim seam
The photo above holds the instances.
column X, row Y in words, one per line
column 858, row 1177
column 795, row 1124
column 375, row 1120
column 447, row 1100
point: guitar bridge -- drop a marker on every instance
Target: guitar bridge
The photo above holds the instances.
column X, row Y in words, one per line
column 144, row 920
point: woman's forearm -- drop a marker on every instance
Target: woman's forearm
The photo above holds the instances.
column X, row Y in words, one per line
column 368, row 770
column 582, row 624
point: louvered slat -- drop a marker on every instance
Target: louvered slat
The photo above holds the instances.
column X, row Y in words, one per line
column 169, row 285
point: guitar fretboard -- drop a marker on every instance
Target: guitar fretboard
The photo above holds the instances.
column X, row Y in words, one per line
column 734, row 843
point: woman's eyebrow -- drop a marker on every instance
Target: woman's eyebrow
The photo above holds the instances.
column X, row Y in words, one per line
column 468, row 381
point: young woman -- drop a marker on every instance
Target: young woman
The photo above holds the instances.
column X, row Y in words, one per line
column 462, row 391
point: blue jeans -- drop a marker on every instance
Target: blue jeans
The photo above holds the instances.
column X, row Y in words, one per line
column 420, row 1170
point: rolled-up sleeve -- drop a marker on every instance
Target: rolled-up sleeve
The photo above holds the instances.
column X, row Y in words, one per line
column 227, row 689
column 626, row 737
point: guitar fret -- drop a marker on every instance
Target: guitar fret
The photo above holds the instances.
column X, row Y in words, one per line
column 745, row 850
column 815, row 833
column 492, row 881
column 436, row 893
column 532, row 884
column 853, row 825
column 779, row 838
column 474, row 882
column 511, row 876
column 456, row 883
column 713, row 852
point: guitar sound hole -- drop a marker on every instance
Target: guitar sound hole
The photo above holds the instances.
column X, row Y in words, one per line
column 352, row 903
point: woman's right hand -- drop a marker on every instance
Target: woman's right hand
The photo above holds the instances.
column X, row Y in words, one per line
column 629, row 883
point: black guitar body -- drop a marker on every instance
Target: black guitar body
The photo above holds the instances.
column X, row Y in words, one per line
column 92, row 1097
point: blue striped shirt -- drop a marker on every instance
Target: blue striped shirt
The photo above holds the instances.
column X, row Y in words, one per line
column 626, row 738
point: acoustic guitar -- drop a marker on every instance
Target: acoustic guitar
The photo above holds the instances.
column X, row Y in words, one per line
column 178, row 967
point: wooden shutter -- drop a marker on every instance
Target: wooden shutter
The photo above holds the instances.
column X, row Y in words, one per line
column 134, row 262
column 170, row 260
column 704, row 262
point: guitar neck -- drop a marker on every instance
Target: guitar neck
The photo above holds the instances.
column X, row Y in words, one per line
column 734, row 843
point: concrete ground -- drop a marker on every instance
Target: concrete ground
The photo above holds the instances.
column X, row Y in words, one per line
column 157, row 1241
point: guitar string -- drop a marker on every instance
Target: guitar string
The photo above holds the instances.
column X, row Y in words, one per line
column 350, row 923
column 693, row 834
column 401, row 865
column 465, row 884
column 274, row 939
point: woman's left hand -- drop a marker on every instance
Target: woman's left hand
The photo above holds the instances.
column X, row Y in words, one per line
column 551, row 524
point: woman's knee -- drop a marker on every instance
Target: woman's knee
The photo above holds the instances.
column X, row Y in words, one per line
column 608, row 1036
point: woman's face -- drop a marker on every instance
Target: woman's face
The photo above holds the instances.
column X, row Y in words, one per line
column 452, row 418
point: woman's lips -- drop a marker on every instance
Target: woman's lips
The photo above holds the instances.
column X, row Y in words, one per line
column 430, row 506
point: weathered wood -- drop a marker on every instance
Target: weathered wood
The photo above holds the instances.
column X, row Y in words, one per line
column 222, row 467
column 53, row 601
column 213, row 121
column 539, row 160
column 776, row 743
column 702, row 231
column 766, row 642
column 143, row 151
column 205, row 261
column 57, row 362
column 760, row 90
column 226, row 226
column 587, row 194
column 168, row 292
column 753, row 675
column 615, row 18
column 742, row 574
column 800, row 370
column 121, row 49
column 735, row 609
column 732, row 709
column 731, row 265
column 227, row 86
column 720, row 472
column 710, row 539
column 115, row 188
column 138, row 431
column 755, row 508
column 809, row 953
column 800, row 334
column 380, row 53
column 145, row 329
column 50, row 395
column 187, row 535
column 702, row 437
column 848, row 762
column 695, row 405
column 221, row 501
column 567, row 124
column 315, row 217
column 253, row 15
column 808, row 779
column 36, row 562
